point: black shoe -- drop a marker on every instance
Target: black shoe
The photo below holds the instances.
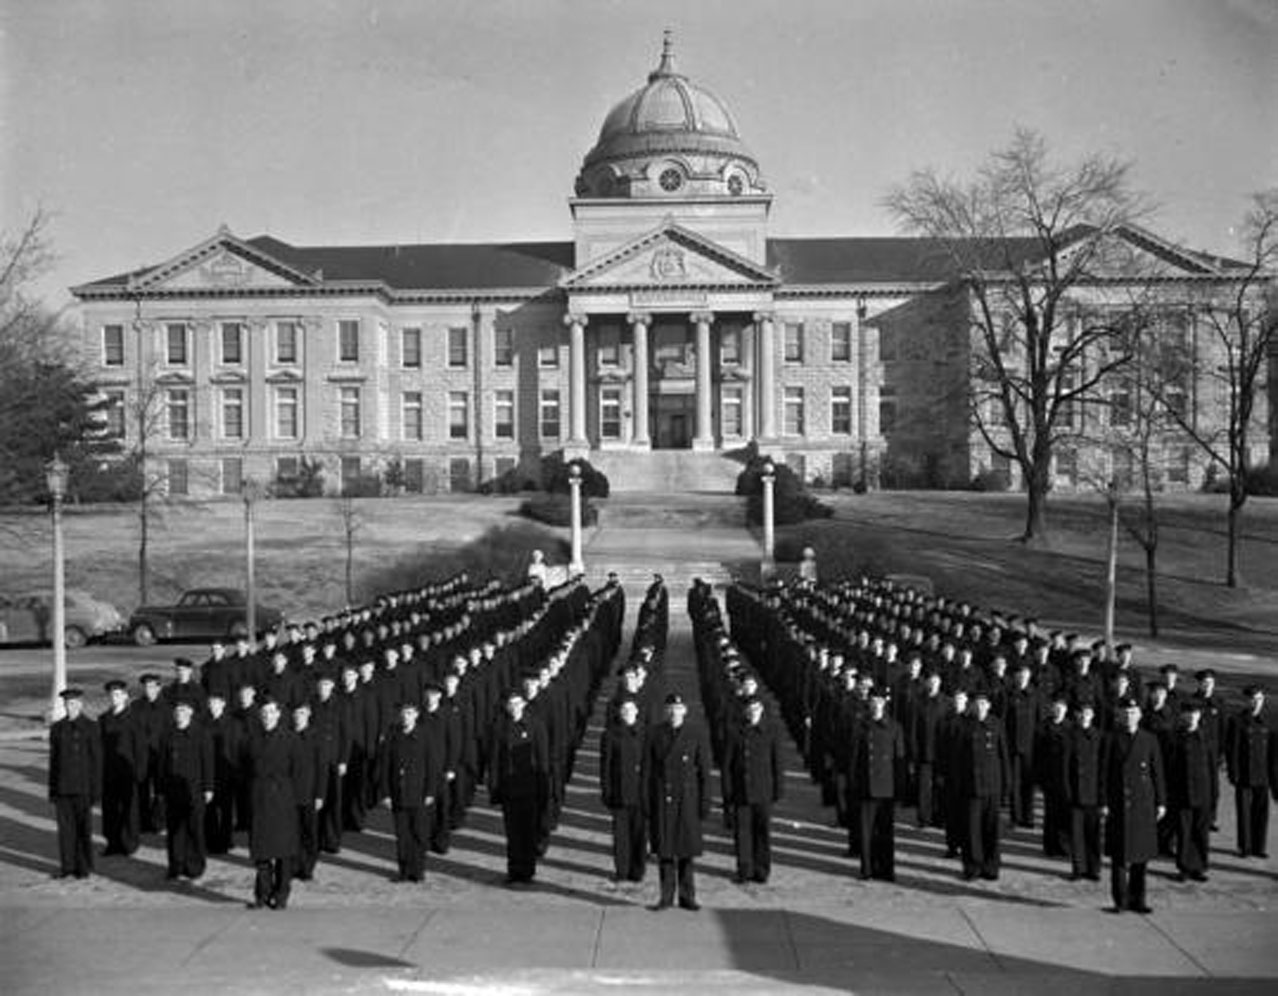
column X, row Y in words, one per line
column 689, row 904
column 740, row 878
column 990, row 876
column 1140, row 908
column 662, row 905
column 1198, row 876
column 761, row 879
column 280, row 904
column 1113, row 909
column 255, row 904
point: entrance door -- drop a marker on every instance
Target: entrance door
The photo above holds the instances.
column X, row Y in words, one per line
column 672, row 421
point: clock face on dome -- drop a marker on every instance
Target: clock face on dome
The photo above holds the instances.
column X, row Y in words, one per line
column 671, row 179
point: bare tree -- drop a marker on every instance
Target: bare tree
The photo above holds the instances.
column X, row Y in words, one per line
column 1024, row 238
column 352, row 523
column 1236, row 325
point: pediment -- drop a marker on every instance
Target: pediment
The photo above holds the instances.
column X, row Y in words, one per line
column 671, row 256
column 1131, row 252
column 223, row 262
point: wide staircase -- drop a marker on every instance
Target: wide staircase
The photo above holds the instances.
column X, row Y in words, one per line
column 668, row 471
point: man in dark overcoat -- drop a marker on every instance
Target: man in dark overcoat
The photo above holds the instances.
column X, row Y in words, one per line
column 519, row 782
column 443, row 727
column 1250, row 763
column 621, row 783
column 1133, row 794
column 1190, row 761
column 306, row 791
column 75, row 783
column 219, row 814
column 678, row 801
column 922, row 739
column 875, row 756
column 153, row 718
column 186, row 779
column 1021, row 716
column 332, row 734
column 1051, row 741
column 1082, row 793
column 951, row 735
column 983, row 773
column 273, row 835
column 412, row 780
column 123, row 758
column 752, row 783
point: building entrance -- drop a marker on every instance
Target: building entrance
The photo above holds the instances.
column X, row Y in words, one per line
column 673, row 420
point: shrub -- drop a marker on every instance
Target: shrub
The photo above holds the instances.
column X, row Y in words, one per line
column 990, row 480
column 791, row 501
column 554, row 476
column 556, row 510
column 115, row 480
column 508, row 482
column 308, row 482
column 1262, row 482
column 364, row 486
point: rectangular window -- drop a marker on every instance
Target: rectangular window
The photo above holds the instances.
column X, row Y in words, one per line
column 794, row 415
column 887, row 410
column 177, row 351
column 113, row 414
column 1120, row 404
column 232, row 475
column 348, row 340
column 113, row 345
column 1067, row 464
column 548, row 416
column 841, row 411
column 286, row 342
column 504, row 346
column 610, row 413
column 351, row 470
column 1070, row 414
column 730, row 412
column 350, row 409
column 505, row 467
column 286, row 468
column 286, row 413
column 177, row 477
column 730, row 345
column 411, row 348
column 609, row 346
column 548, row 355
column 504, row 414
column 457, row 346
column 232, row 413
column 414, row 476
column 413, row 415
column 794, row 342
column 841, row 342
column 887, row 345
column 458, row 415
column 232, row 343
column 1178, row 465
column 178, row 403
column 459, row 474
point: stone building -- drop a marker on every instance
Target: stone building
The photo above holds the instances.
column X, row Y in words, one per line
column 672, row 331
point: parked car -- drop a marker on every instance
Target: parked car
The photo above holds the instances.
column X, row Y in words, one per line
column 199, row 614
column 29, row 618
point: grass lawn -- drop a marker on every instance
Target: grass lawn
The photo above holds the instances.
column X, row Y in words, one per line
column 966, row 543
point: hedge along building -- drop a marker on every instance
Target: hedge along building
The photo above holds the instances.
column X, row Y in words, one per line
column 671, row 332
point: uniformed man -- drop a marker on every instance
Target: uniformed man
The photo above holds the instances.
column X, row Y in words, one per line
column 1190, row 762
column 219, row 814
column 153, row 720
column 875, row 756
column 273, row 837
column 922, row 741
column 443, row 729
column 1249, row 761
column 678, row 770
column 412, row 779
column 1082, row 791
column 752, row 783
column 1050, row 749
column 75, row 782
column 123, row 759
column 306, row 791
column 1133, row 794
column 1022, row 714
column 186, row 779
column 983, row 771
column 621, row 782
column 329, row 721
column 519, row 782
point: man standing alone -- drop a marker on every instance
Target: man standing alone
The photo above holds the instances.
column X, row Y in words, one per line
column 678, row 801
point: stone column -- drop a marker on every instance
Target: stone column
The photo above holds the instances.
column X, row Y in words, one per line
column 749, row 403
column 577, row 379
column 704, row 438
column 639, row 322
column 766, row 378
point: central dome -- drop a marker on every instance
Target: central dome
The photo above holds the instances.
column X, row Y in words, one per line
column 669, row 138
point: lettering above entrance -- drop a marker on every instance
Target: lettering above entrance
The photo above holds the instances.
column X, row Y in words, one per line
column 669, row 298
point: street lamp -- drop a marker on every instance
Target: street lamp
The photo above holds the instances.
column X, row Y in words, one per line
column 251, row 491
column 577, row 566
column 768, row 565
column 56, row 473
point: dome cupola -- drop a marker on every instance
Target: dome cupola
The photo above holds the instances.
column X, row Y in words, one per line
column 670, row 138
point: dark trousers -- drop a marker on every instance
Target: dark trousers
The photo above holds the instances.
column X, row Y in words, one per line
column 461, row 790
column 930, row 806
column 307, row 840
column 522, row 818
column 678, row 871
column 151, row 797
column 331, row 815
column 1085, row 836
column 980, row 848
column 273, row 882
column 441, row 827
column 955, row 818
column 354, row 801
column 752, row 835
column 1021, row 785
column 1193, row 833
column 120, row 821
column 1056, row 825
column 242, row 797
column 184, row 842
column 412, row 835
column 218, row 822
column 1127, row 884
column 1251, row 804
column 75, row 834
column 878, row 838
column 629, row 843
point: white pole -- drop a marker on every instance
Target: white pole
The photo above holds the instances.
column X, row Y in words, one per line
column 59, row 633
column 577, row 567
column 1111, row 574
column 769, row 531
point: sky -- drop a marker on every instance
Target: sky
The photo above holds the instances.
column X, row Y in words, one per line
column 144, row 125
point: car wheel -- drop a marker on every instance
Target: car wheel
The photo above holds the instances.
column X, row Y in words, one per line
column 143, row 635
column 73, row 637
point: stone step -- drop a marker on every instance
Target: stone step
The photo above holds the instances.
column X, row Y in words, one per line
column 668, row 471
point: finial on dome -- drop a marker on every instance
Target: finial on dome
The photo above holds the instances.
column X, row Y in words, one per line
column 667, row 67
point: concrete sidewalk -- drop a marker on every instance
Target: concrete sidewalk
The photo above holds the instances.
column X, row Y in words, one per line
column 624, row 949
